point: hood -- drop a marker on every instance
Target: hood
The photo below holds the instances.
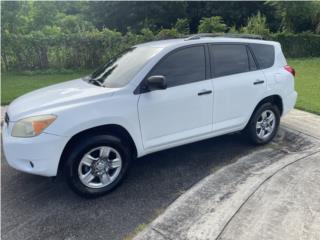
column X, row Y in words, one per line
column 55, row 96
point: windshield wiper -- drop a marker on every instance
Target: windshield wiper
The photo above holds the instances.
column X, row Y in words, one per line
column 96, row 82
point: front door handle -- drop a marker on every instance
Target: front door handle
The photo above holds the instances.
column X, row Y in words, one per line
column 204, row 92
column 258, row 81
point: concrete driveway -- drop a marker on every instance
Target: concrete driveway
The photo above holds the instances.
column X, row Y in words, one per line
column 285, row 207
column 272, row 193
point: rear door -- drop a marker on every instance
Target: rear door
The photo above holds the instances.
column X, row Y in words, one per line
column 238, row 85
column 184, row 109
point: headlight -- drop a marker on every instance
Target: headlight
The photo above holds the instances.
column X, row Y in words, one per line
column 32, row 126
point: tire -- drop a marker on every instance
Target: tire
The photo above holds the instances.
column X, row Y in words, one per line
column 97, row 164
column 261, row 129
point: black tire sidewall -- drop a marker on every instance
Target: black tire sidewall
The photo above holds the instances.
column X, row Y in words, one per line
column 252, row 124
column 84, row 146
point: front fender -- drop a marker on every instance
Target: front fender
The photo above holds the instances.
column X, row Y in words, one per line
column 120, row 111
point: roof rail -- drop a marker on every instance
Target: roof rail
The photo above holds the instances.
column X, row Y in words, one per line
column 228, row 35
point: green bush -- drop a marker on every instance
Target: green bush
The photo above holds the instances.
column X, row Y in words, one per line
column 182, row 26
column 73, row 50
column 57, row 50
column 213, row 24
column 167, row 33
column 298, row 45
column 256, row 25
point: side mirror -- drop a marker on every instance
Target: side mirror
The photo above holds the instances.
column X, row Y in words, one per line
column 156, row 82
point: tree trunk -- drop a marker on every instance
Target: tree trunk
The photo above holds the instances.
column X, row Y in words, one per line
column 5, row 61
column 44, row 63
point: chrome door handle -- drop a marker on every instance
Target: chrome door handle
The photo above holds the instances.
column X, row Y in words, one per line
column 258, row 81
column 204, row 92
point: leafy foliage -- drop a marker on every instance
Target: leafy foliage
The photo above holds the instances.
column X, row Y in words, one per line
column 257, row 25
column 298, row 45
column 43, row 35
column 213, row 24
column 182, row 26
column 297, row 16
column 167, row 33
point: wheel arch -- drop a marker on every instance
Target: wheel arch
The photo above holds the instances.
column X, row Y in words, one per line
column 275, row 99
column 111, row 129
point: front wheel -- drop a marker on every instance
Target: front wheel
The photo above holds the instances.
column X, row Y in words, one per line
column 97, row 165
column 264, row 123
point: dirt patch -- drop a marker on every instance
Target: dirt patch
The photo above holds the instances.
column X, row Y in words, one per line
column 292, row 141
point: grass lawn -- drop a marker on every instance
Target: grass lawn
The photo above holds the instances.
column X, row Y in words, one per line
column 14, row 85
column 307, row 83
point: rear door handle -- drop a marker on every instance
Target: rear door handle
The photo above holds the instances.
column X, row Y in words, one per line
column 204, row 92
column 258, row 81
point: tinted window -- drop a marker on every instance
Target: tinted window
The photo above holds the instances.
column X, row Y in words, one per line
column 120, row 70
column 264, row 54
column 229, row 59
column 182, row 66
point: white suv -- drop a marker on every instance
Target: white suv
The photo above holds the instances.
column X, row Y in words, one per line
column 151, row 97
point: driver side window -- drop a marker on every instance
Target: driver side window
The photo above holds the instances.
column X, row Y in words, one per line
column 182, row 66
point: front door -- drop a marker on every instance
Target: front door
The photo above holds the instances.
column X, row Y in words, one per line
column 184, row 109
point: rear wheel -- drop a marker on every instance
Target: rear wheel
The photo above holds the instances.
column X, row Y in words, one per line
column 97, row 165
column 264, row 123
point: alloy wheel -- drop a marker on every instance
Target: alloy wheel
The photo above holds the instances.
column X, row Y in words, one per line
column 100, row 167
column 265, row 124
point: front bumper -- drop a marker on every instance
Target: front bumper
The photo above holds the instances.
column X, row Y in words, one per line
column 38, row 155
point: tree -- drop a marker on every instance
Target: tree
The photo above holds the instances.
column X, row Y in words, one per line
column 182, row 26
column 234, row 13
column 73, row 24
column 168, row 33
column 213, row 24
column 135, row 14
column 256, row 25
column 85, row 33
column 233, row 30
column 297, row 16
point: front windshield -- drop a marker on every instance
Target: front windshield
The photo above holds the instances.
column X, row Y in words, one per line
column 121, row 69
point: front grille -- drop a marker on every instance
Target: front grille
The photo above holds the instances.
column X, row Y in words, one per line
column 6, row 118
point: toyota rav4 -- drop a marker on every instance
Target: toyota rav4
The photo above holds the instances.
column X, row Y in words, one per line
column 151, row 97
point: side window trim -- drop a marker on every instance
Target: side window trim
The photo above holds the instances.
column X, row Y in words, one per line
column 207, row 61
column 212, row 64
column 140, row 89
column 253, row 56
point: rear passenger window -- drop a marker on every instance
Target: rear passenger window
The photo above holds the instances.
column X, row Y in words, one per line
column 182, row 66
column 264, row 54
column 229, row 59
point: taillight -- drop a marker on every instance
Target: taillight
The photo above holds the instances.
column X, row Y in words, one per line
column 290, row 70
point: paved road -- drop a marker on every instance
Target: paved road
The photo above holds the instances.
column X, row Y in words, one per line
column 34, row 207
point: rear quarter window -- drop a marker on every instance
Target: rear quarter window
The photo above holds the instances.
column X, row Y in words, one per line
column 264, row 54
